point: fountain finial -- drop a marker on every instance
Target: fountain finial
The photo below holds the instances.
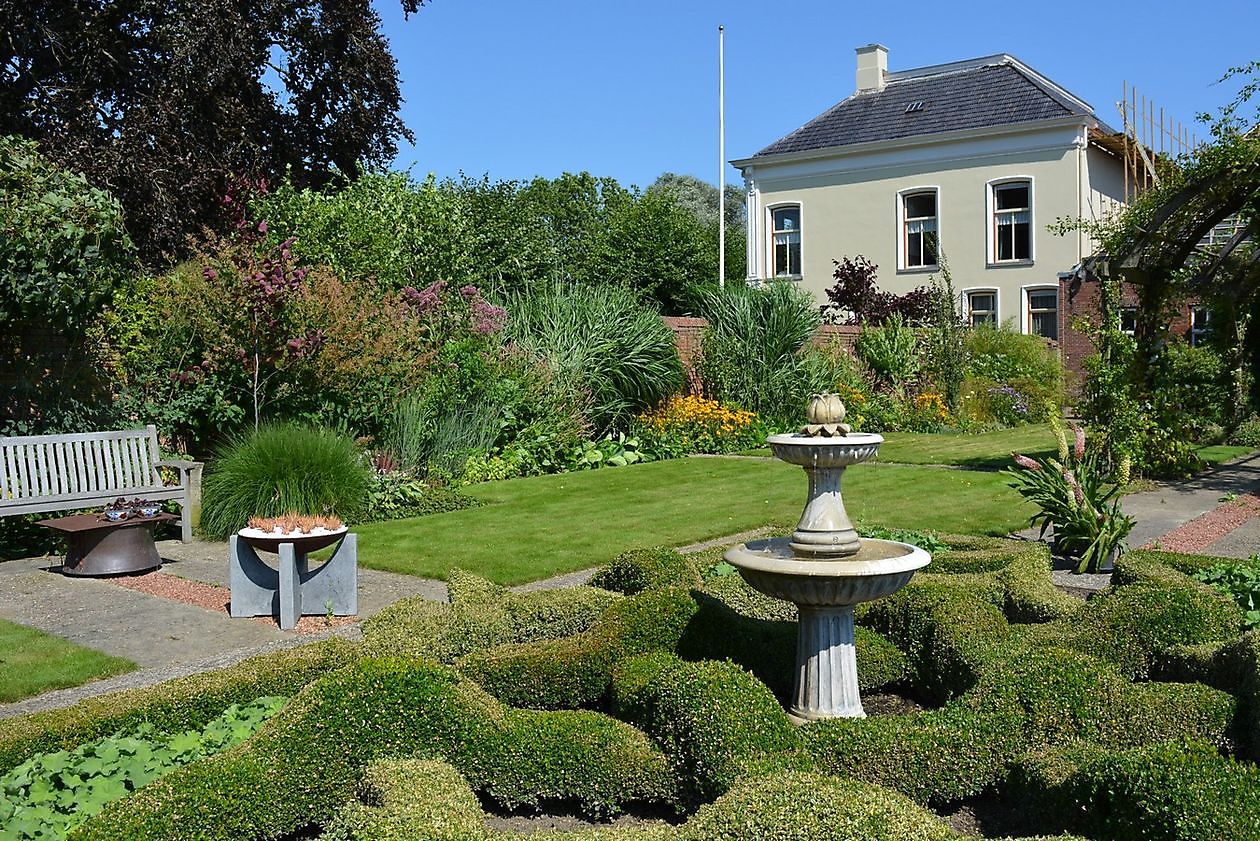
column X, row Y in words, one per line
column 824, row 415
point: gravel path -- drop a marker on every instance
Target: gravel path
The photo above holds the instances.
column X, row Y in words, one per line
column 1203, row 531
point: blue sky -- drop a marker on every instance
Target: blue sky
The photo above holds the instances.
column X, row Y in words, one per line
column 629, row 90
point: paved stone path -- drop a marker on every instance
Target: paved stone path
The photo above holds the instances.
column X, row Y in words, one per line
column 167, row 638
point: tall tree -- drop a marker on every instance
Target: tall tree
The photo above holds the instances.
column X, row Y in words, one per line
column 167, row 103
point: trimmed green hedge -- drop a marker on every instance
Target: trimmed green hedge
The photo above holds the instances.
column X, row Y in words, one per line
column 1135, row 626
column 1015, row 673
column 418, row 800
column 480, row 615
column 1163, row 792
column 715, row 721
column 735, row 622
column 637, row 570
column 184, row 703
column 307, row 761
column 575, row 671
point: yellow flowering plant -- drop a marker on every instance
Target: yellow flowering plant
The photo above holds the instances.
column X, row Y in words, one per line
column 693, row 424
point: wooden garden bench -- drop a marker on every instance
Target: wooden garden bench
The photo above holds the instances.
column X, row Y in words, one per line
column 87, row 469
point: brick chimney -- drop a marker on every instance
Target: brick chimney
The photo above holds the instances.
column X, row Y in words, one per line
column 872, row 66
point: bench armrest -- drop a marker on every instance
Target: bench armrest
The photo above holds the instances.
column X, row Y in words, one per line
column 179, row 463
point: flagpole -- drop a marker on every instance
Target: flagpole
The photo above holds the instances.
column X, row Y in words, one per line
column 721, row 158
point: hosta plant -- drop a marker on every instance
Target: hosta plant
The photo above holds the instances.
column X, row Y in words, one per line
column 1073, row 497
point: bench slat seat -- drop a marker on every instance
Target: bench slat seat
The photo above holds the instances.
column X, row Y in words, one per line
column 83, row 470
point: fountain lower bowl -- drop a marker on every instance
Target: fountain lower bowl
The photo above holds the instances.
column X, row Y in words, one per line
column 880, row 568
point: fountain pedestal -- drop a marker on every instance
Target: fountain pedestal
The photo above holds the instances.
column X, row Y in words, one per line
column 826, row 666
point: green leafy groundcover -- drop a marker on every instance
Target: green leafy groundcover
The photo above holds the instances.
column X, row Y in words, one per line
column 51, row 793
column 1133, row 716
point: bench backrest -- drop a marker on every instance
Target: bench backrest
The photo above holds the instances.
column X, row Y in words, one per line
column 87, row 464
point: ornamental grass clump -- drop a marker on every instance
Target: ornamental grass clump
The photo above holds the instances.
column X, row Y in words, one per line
column 1073, row 497
column 282, row 468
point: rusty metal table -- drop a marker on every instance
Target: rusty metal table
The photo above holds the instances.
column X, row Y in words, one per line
column 96, row 546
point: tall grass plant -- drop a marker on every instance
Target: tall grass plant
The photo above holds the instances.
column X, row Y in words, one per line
column 283, row 467
column 604, row 340
column 753, row 353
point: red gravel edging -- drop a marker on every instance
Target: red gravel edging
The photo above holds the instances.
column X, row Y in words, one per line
column 214, row 598
column 1202, row 531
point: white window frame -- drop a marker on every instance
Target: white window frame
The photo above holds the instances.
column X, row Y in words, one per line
column 1198, row 332
column 1026, row 294
column 991, row 220
column 903, row 256
column 1128, row 309
column 771, row 231
column 965, row 302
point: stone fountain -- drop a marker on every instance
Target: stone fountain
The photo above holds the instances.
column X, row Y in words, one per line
column 824, row 568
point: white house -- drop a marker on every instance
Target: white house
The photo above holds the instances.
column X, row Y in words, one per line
column 970, row 161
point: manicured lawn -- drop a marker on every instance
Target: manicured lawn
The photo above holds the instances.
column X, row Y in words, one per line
column 545, row 525
column 990, row 450
column 32, row 662
column 1222, row 452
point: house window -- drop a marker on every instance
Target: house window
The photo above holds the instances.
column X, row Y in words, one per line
column 1128, row 320
column 1012, row 221
column 982, row 308
column 787, row 241
column 919, row 229
column 1043, row 313
column 1200, row 324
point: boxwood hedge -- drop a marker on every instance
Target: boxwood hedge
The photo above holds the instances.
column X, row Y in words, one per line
column 308, row 760
column 1074, row 706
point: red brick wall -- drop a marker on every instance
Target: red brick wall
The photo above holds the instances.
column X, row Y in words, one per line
column 1080, row 302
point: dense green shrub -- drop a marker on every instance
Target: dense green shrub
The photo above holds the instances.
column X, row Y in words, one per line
column 1191, row 383
column 63, row 249
column 715, row 722
column 751, row 354
column 396, row 496
column 636, row 570
column 1164, row 792
column 1009, row 358
column 575, row 671
column 603, row 340
column 937, row 756
column 944, row 631
column 306, row 762
column 51, row 793
column 735, row 622
column 811, row 807
column 1135, row 625
column 1011, row 575
column 184, row 703
column 481, row 615
column 404, row 799
column 281, row 468
column 890, row 351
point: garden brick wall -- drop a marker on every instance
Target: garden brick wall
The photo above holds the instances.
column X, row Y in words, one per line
column 1080, row 302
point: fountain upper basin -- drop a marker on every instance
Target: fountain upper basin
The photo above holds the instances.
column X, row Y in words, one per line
column 880, row 568
column 822, row 451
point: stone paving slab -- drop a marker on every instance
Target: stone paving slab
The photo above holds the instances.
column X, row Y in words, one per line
column 150, row 631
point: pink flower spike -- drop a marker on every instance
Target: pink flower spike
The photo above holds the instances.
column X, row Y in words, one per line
column 262, row 227
column 1079, row 449
column 1025, row 461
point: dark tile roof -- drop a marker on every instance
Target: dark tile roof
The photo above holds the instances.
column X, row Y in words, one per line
column 988, row 95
